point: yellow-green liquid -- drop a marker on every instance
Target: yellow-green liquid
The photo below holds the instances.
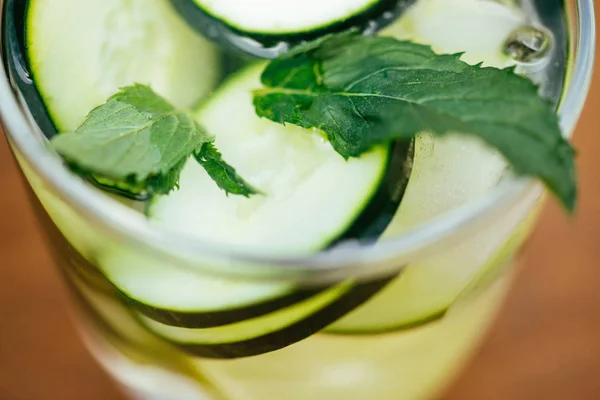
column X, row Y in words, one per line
column 450, row 296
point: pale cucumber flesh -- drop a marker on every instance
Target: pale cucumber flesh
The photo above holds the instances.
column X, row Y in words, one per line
column 283, row 16
column 110, row 44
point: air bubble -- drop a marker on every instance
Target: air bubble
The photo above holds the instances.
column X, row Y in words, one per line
column 528, row 44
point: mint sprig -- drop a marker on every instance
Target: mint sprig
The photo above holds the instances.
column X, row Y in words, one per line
column 138, row 143
column 363, row 91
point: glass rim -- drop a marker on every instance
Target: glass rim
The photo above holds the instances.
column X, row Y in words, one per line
column 117, row 219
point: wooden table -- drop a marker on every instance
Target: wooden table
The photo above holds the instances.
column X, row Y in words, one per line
column 545, row 345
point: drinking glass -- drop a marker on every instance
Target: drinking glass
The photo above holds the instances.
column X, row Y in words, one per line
column 444, row 277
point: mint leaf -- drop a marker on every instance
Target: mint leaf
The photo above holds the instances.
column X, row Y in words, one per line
column 363, row 91
column 222, row 173
column 133, row 136
column 137, row 144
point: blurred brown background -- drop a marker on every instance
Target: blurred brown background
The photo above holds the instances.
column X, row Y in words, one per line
column 545, row 345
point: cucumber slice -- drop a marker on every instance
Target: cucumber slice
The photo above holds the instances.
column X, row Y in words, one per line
column 303, row 180
column 273, row 331
column 284, row 17
column 186, row 298
column 270, row 27
column 81, row 52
